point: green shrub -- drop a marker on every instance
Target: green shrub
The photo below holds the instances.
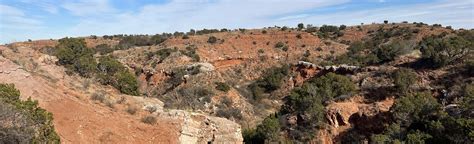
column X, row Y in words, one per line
column 85, row 66
column 328, row 28
column 415, row 108
column 164, row 53
column 379, row 139
column 191, row 52
column 251, row 137
column 222, row 86
column 132, row 110
column 185, row 37
column 441, row 51
column 149, row 119
column 419, row 118
column 107, row 68
column 342, row 27
column 467, row 102
column 69, row 50
column 300, row 26
column 9, row 93
column 100, row 96
column 305, row 101
column 135, row 40
column 109, row 65
column 417, row 137
column 31, row 124
column 229, row 113
column 469, row 67
column 158, row 39
column 386, row 53
column 126, row 82
column 75, row 56
column 114, row 73
column 403, row 78
column 332, row 85
column 282, row 46
column 189, row 97
column 206, row 31
column 268, row 131
column 269, row 82
column 212, row 40
column 368, row 53
column 103, row 49
column 299, row 36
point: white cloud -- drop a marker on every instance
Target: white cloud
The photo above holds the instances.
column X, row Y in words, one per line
column 14, row 18
column 99, row 17
column 46, row 5
column 88, row 7
column 299, row 16
column 182, row 15
column 13, row 21
column 457, row 13
column 6, row 10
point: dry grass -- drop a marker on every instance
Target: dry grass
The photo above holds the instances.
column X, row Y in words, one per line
column 132, row 110
column 149, row 119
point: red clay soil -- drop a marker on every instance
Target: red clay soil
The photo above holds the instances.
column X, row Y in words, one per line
column 79, row 120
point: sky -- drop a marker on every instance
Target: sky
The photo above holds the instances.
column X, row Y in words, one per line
column 21, row 20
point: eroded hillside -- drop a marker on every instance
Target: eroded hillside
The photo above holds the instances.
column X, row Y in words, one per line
column 330, row 84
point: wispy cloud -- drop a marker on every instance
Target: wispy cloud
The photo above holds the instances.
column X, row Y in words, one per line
column 88, row 7
column 100, row 17
column 299, row 16
column 14, row 18
column 46, row 5
column 457, row 13
column 181, row 15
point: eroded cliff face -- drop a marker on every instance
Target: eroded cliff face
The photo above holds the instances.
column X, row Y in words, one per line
column 78, row 118
column 198, row 128
column 355, row 115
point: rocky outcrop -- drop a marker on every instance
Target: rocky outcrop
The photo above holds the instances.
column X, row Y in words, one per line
column 203, row 67
column 79, row 119
column 199, row 128
column 335, row 118
column 333, row 68
column 47, row 59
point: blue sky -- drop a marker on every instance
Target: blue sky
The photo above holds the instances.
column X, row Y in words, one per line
column 43, row 19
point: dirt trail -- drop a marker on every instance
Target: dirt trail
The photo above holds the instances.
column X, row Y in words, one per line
column 223, row 64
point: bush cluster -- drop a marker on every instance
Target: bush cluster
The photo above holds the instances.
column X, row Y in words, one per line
column 189, row 97
column 269, row 82
column 191, row 52
column 103, row 49
column 129, row 41
column 222, row 86
column 282, row 46
column 212, row 40
column 439, row 51
column 403, row 79
column 305, row 102
column 419, row 118
column 30, row 123
column 112, row 72
column 76, row 57
column 365, row 53
column 329, row 31
column 162, row 54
